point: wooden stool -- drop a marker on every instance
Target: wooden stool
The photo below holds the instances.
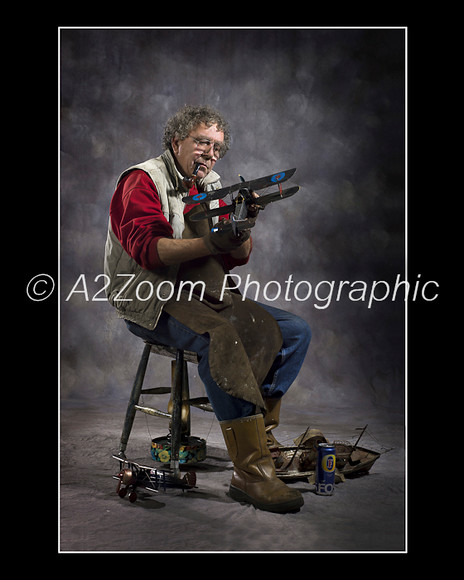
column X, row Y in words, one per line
column 179, row 404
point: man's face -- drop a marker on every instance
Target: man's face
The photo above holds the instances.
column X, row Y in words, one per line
column 201, row 146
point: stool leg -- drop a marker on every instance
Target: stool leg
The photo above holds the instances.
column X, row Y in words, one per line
column 185, row 406
column 176, row 425
column 185, row 412
column 134, row 400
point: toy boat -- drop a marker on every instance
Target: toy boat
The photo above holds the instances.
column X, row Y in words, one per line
column 299, row 461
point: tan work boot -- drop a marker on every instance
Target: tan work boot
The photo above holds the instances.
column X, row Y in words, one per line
column 254, row 480
column 271, row 420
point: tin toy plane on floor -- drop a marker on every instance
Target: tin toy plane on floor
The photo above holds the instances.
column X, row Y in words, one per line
column 239, row 208
column 132, row 475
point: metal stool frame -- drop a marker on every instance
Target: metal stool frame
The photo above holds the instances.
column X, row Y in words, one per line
column 180, row 398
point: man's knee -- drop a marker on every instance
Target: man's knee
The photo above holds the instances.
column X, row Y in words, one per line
column 305, row 331
column 300, row 331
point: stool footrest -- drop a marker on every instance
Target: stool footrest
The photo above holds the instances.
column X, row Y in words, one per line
column 151, row 411
column 156, row 391
column 200, row 403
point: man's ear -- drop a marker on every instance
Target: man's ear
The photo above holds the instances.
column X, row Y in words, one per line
column 175, row 145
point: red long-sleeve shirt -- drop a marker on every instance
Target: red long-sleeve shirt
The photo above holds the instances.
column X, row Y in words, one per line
column 138, row 222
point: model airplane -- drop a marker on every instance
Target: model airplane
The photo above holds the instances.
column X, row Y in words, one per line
column 132, row 475
column 240, row 206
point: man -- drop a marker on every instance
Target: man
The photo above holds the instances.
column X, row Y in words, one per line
column 249, row 354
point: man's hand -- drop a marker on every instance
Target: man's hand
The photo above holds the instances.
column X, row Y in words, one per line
column 253, row 209
column 172, row 251
column 223, row 242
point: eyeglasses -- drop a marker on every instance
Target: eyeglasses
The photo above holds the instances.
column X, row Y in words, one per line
column 219, row 148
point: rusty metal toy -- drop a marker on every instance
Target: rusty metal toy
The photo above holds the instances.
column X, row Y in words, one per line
column 132, row 475
column 299, row 461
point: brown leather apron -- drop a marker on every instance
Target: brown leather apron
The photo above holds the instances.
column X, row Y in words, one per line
column 244, row 338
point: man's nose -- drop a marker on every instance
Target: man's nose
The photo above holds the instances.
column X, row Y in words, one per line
column 209, row 154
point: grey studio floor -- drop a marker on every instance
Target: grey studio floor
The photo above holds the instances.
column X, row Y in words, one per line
column 365, row 514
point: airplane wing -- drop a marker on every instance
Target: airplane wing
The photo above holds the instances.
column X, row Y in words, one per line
column 259, row 201
column 254, row 185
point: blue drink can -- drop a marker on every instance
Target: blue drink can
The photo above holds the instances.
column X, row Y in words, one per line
column 325, row 469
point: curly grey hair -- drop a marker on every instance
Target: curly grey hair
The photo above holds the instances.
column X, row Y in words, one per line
column 186, row 119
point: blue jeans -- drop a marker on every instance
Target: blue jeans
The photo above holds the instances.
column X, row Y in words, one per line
column 296, row 336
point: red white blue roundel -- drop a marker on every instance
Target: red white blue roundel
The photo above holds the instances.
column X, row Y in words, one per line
column 278, row 177
column 199, row 196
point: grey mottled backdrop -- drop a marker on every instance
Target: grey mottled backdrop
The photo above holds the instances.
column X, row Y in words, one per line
column 329, row 102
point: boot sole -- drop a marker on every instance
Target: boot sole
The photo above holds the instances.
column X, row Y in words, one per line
column 289, row 506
